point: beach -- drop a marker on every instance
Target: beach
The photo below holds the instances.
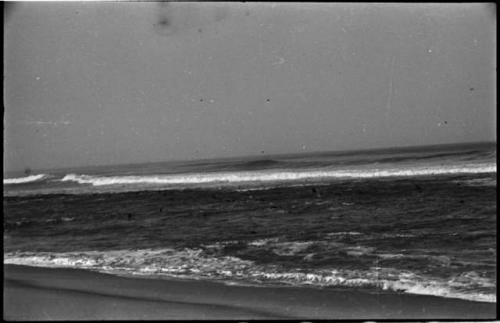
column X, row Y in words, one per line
column 36, row 293
column 389, row 243
column 220, row 161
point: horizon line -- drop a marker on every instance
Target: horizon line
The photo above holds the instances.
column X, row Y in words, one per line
column 261, row 156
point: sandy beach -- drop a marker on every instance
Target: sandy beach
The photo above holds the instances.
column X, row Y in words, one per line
column 171, row 160
column 35, row 293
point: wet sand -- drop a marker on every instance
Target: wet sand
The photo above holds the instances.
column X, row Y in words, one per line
column 34, row 293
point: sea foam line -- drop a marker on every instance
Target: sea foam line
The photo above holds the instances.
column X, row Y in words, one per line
column 196, row 263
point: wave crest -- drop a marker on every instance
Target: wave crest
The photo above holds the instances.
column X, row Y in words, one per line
column 274, row 175
column 23, row 180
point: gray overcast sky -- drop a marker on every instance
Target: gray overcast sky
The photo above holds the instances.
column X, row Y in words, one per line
column 102, row 83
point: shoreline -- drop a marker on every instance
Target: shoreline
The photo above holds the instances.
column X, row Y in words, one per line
column 38, row 293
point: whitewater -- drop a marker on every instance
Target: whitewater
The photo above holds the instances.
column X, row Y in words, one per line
column 261, row 176
column 415, row 220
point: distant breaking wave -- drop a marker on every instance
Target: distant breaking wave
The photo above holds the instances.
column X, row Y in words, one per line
column 275, row 175
column 22, row 180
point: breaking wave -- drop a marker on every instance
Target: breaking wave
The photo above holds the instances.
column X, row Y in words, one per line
column 275, row 175
column 198, row 264
column 26, row 179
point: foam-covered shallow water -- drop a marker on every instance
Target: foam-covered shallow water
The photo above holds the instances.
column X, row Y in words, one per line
column 202, row 264
column 430, row 233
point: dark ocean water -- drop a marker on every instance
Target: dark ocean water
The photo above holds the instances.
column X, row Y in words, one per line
column 416, row 220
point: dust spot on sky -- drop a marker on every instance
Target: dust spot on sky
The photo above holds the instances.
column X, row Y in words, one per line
column 174, row 18
column 163, row 22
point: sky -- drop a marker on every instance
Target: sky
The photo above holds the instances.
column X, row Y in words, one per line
column 100, row 83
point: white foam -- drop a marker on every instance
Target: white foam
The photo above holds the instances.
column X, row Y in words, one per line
column 276, row 175
column 197, row 264
column 434, row 288
column 142, row 261
column 262, row 242
column 359, row 250
column 22, row 180
column 291, row 248
column 391, row 255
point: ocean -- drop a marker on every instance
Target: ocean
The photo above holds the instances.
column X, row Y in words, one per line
column 418, row 220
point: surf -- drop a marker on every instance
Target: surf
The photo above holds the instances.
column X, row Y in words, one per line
column 198, row 264
column 26, row 179
column 277, row 175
